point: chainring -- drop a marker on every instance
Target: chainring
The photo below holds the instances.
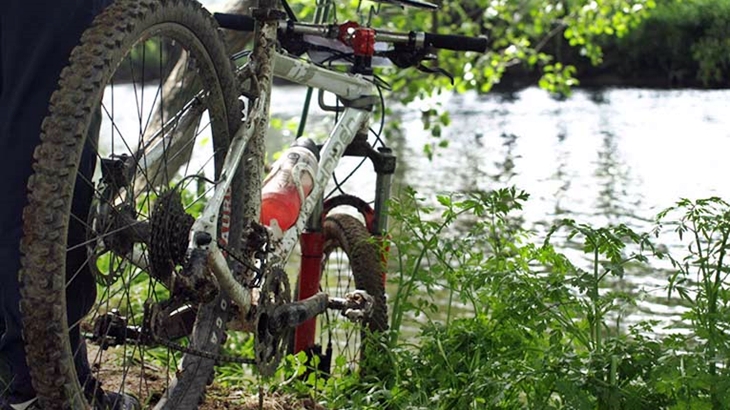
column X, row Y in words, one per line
column 169, row 231
column 271, row 342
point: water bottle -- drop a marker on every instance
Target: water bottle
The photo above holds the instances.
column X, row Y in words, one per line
column 290, row 181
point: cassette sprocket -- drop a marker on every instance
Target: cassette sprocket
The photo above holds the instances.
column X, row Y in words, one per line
column 170, row 228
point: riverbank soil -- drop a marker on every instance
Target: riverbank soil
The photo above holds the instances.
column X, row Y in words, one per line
column 231, row 399
column 152, row 383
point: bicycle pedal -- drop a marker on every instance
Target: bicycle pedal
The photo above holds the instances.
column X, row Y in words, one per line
column 362, row 305
column 356, row 306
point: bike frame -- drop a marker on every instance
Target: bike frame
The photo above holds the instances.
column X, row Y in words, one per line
column 359, row 93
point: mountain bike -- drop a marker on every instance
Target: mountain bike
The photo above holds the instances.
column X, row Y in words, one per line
column 161, row 132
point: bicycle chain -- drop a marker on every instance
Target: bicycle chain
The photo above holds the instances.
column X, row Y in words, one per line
column 216, row 357
column 150, row 336
column 269, row 363
column 265, row 363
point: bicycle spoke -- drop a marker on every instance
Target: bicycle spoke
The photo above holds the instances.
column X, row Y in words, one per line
column 152, row 135
column 129, row 273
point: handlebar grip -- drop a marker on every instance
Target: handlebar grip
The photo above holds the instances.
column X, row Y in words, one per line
column 238, row 22
column 456, row 43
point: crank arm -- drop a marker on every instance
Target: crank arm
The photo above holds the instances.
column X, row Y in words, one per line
column 356, row 306
column 294, row 314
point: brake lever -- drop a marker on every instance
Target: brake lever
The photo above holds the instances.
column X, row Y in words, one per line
column 435, row 70
column 406, row 57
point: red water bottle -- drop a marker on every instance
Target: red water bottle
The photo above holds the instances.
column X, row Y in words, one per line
column 290, row 181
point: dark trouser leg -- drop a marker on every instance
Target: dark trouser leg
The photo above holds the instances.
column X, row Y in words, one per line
column 36, row 37
column 80, row 293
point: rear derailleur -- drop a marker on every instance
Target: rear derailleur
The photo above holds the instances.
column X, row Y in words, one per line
column 161, row 322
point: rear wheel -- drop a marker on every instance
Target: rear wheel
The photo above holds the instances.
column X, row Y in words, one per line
column 352, row 260
column 136, row 136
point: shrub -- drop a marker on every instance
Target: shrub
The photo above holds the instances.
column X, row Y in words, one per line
column 520, row 326
column 681, row 42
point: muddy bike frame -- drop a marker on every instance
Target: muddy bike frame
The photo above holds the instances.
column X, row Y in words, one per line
column 358, row 94
column 347, row 137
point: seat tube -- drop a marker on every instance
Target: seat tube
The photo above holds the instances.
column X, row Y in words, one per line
column 310, row 270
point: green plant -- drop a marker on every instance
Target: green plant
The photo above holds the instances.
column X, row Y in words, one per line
column 505, row 321
column 615, row 363
column 519, row 325
column 700, row 278
column 485, row 315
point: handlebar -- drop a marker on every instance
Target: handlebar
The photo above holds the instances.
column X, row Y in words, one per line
column 456, row 42
column 413, row 39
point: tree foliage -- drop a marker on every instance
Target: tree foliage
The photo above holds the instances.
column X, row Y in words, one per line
column 518, row 31
column 682, row 42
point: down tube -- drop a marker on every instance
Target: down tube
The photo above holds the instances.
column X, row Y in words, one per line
column 331, row 153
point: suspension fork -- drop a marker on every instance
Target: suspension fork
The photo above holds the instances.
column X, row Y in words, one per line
column 385, row 168
column 312, row 239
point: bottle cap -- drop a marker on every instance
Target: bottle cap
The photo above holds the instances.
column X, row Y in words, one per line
column 308, row 144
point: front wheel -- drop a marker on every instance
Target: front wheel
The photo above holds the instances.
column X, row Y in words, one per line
column 136, row 138
column 352, row 260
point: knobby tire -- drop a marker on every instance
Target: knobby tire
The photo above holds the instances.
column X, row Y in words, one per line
column 46, row 219
column 346, row 234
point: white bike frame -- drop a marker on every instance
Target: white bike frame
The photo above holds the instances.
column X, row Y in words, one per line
column 349, row 87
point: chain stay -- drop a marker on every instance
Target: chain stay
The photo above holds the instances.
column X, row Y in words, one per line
column 260, row 242
column 355, row 306
column 150, row 335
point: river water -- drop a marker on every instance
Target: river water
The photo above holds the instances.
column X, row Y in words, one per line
column 615, row 155
column 599, row 157
column 611, row 156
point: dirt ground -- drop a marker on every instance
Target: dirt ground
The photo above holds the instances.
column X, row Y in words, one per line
column 148, row 381
column 219, row 400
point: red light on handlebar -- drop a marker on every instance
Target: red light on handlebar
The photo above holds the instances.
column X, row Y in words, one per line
column 364, row 42
column 347, row 31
